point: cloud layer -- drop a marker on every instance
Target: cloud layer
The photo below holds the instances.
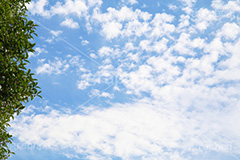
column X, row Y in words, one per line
column 150, row 130
column 179, row 67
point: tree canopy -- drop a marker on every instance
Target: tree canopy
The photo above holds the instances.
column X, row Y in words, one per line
column 17, row 85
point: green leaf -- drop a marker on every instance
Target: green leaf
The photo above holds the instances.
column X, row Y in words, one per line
column 16, row 80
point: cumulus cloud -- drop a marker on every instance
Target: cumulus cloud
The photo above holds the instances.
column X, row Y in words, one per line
column 84, row 42
column 161, row 24
column 184, row 21
column 226, row 8
column 38, row 51
column 172, row 7
column 105, row 51
column 185, row 45
column 127, row 22
column 70, row 7
column 130, row 1
column 188, row 5
column 58, row 65
column 56, row 33
column 77, row 7
column 189, row 2
column 204, row 18
column 98, row 93
column 112, row 29
column 38, row 7
column 112, row 22
column 70, row 23
column 230, row 30
column 83, row 84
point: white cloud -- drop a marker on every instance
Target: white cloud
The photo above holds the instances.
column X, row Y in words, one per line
column 92, row 3
column 229, row 68
column 226, row 9
column 189, row 2
column 29, row 109
column 37, row 7
column 145, row 44
column 215, row 46
column 49, row 40
column 161, row 18
column 94, row 93
column 129, row 46
column 84, row 42
column 185, row 45
column 150, row 130
column 184, row 21
column 107, row 95
column 86, row 80
column 38, row 51
column 56, row 33
column 80, row 8
column 112, row 22
column 161, row 25
column 187, row 57
column 132, row 2
column 167, row 69
column 83, row 84
column 158, row 46
column 204, row 18
column 217, row 4
column 68, row 22
column 112, row 29
column 138, row 81
column 232, row 6
column 230, row 30
column 105, row 51
column 172, row 7
column 98, row 93
column 92, row 55
column 71, row 156
column 124, row 14
column 59, row 66
column 104, row 75
column 188, row 5
column 77, row 7
column 45, row 68
column 136, row 28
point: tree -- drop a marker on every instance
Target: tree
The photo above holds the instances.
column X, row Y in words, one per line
column 17, row 85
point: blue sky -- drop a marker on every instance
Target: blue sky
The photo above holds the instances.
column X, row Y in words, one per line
column 131, row 79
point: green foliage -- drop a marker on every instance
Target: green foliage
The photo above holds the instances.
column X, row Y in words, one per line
column 17, row 84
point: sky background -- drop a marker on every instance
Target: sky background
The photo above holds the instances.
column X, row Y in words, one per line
column 133, row 80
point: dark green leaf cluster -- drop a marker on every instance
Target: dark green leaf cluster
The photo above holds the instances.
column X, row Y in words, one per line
column 17, row 85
